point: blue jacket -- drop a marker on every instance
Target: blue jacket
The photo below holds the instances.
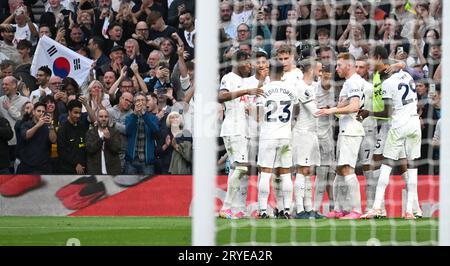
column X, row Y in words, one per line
column 151, row 129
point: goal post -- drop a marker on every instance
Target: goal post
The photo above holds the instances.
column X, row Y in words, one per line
column 444, row 200
column 205, row 147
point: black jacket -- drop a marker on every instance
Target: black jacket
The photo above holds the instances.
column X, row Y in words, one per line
column 6, row 134
column 71, row 146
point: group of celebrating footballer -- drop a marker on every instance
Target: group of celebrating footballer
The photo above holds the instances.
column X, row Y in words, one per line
column 281, row 119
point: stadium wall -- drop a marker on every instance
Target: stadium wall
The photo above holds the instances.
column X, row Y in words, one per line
column 170, row 195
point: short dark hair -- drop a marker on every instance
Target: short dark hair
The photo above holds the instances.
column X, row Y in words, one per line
column 261, row 53
column 113, row 24
column 381, row 52
column 7, row 63
column 23, row 44
column 99, row 42
column 306, row 64
column 46, row 70
column 241, row 55
column 153, row 17
column 74, row 104
column 276, row 67
column 37, row 104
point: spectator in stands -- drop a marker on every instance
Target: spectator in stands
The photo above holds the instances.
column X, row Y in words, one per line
column 143, row 9
column 226, row 10
column 71, row 141
column 97, row 98
column 141, row 128
column 103, row 145
column 354, row 41
column 37, row 135
column 7, row 68
column 133, row 55
column 115, row 34
column 116, row 55
column 96, row 46
column 187, row 30
column 44, row 30
column 43, row 76
column 117, row 115
column 53, row 112
column 176, row 8
column 142, row 36
column 6, row 133
column 181, row 142
column 158, row 27
column 24, row 48
column 25, row 28
column 122, row 84
column 7, row 47
column 11, row 104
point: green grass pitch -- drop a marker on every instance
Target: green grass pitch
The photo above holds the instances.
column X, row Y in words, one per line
column 162, row 231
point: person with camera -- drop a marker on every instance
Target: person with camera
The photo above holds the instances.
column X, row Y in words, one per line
column 7, row 47
column 37, row 136
column 25, row 28
column 103, row 145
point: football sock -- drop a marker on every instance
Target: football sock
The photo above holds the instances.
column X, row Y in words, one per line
column 371, row 186
column 263, row 190
column 320, row 186
column 307, row 200
column 287, row 187
column 412, row 188
column 276, row 184
column 299, row 191
column 354, row 192
column 383, row 181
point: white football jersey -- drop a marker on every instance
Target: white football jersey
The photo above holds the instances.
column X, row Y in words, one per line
column 400, row 87
column 277, row 102
column 293, row 76
column 251, row 83
column 234, row 123
column 353, row 87
column 369, row 122
column 325, row 99
column 306, row 120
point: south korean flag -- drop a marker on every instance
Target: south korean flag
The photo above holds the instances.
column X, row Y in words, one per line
column 61, row 60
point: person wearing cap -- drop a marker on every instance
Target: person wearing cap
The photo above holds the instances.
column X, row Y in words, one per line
column 116, row 55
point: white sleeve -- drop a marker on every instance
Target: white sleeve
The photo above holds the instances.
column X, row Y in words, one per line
column 312, row 108
column 225, row 84
column 386, row 91
column 305, row 95
column 355, row 89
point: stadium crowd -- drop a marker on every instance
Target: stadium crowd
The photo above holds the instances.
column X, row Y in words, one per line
column 137, row 107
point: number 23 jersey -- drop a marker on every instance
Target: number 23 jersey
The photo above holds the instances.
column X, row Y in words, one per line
column 277, row 103
column 400, row 87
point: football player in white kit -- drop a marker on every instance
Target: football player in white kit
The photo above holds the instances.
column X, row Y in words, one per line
column 351, row 133
column 285, row 55
column 370, row 129
column 380, row 113
column 325, row 173
column 403, row 139
column 257, row 80
column 275, row 113
column 234, row 129
column 305, row 143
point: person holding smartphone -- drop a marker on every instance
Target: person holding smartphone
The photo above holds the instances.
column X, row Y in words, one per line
column 37, row 135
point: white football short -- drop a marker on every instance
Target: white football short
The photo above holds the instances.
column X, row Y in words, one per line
column 347, row 150
column 385, row 125
column 275, row 153
column 237, row 148
column 306, row 150
column 367, row 146
column 404, row 141
column 327, row 151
